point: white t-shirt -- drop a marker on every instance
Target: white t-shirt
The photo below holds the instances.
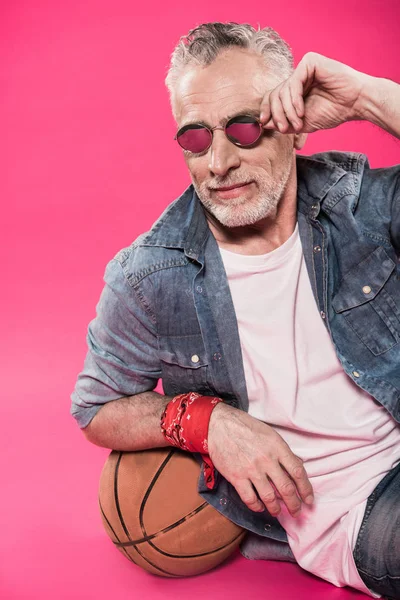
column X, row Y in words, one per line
column 296, row 384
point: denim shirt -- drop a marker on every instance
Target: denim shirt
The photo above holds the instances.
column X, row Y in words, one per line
column 166, row 311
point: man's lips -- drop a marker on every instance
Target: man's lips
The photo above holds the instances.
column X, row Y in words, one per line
column 231, row 191
column 230, row 187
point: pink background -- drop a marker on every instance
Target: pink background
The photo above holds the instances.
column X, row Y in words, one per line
column 81, row 89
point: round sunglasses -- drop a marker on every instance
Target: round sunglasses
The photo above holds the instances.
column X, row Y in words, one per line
column 242, row 130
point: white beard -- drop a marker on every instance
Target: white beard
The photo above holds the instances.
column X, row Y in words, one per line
column 238, row 212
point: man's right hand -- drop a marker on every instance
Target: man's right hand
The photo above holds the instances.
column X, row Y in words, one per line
column 248, row 452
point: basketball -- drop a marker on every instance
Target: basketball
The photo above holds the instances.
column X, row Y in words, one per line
column 154, row 515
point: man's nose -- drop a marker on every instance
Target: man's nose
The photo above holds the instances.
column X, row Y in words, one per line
column 223, row 155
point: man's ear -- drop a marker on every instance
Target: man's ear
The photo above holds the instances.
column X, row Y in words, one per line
column 300, row 140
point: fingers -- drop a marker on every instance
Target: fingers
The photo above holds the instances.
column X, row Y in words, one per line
column 286, row 489
column 297, row 95
column 267, row 494
column 295, row 469
column 278, row 111
column 283, row 108
column 292, row 119
column 281, row 486
column 292, row 486
column 249, row 496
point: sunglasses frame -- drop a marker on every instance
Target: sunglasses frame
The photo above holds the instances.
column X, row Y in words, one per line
column 222, row 128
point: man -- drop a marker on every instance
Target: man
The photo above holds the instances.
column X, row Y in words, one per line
column 272, row 284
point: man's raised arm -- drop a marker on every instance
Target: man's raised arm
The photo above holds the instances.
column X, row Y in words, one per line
column 380, row 104
column 323, row 93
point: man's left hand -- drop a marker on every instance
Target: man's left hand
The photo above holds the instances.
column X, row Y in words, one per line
column 320, row 94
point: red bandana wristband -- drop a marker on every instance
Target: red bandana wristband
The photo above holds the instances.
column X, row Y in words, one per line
column 184, row 424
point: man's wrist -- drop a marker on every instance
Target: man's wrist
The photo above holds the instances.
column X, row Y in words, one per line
column 373, row 101
column 185, row 421
column 220, row 412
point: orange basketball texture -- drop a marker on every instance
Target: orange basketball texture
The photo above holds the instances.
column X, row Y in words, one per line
column 153, row 513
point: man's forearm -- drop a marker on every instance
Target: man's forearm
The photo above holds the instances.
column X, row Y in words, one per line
column 379, row 103
column 129, row 424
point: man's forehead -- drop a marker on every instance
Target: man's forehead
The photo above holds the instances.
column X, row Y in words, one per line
column 237, row 80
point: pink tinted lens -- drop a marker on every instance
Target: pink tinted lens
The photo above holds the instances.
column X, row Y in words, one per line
column 244, row 134
column 195, row 139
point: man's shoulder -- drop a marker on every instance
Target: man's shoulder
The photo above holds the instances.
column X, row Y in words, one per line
column 161, row 246
column 331, row 160
column 350, row 162
column 324, row 170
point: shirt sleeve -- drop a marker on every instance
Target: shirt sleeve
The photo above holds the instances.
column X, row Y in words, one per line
column 122, row 357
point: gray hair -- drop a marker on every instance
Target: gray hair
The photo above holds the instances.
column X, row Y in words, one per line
column 202, row 45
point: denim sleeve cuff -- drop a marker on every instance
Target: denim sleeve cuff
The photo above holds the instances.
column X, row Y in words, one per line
column 82, row 413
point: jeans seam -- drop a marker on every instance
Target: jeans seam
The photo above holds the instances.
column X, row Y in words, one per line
column 379, row 579
column 368, row 509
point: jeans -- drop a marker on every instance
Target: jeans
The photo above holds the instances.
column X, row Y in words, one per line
column 377, row 550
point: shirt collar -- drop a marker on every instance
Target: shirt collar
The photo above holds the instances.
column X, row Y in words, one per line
column 183, row 224
column 319, row 173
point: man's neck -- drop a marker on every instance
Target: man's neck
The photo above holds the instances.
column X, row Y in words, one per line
column 265, row 235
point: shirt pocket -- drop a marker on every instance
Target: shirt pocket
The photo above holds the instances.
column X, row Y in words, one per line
column 184, row 364
column 366, row 299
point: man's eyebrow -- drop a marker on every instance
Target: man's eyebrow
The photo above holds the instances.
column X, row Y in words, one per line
column 195, row 122
column 252, row 112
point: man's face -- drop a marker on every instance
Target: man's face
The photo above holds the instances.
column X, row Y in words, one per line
column 233, row 84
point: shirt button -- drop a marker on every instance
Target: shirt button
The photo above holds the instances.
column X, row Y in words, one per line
column 366, row 289
column 317, row 249
column 195, row 358
column 267, row 527
column 223, row 501
column 323, row 315
column 199, row 289
column 356, row 374
column 217, row 356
